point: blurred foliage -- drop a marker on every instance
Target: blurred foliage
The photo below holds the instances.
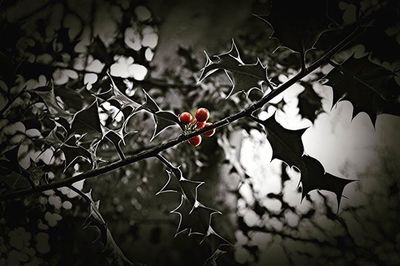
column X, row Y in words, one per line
column 78, row 92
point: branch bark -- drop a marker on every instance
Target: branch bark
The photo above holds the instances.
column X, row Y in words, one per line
column 152, row 152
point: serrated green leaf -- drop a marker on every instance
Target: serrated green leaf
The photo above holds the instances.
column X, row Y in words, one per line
column 369, row 87
column 243, row 77
column 310, row 105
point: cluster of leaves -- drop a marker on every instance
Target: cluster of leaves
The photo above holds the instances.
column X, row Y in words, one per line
column 65, row 123
column 194, row 217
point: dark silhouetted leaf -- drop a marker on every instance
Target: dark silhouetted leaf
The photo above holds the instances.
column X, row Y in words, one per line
column 313, row 176
column 73, row 153
column 196, row 219
column 288, row 147
column 162, row 119
column 368, row 86
column 286, row 144
column 118, row 96
column 179, row 184
column 87, row 120
column 172, row 185
column 243, row 77
column 150, row 104
column 214, row 240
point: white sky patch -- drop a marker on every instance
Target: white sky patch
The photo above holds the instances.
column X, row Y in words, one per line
column 125, row 68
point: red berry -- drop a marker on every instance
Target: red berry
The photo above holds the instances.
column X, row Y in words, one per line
column 200, row 125
column 202, row 114
column 209, row 133
column 185, row 117
column 195, row 141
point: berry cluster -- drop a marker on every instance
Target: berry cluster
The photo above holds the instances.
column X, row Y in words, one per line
column 198, row 122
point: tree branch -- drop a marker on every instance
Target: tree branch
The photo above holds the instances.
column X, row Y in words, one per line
column 182, row 138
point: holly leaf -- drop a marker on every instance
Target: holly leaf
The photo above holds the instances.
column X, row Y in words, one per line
column 116, row 137
column 375, row 37
column 313, row 176
column 369, row 87
column 243, row 77
column 172, row 185
column 95, row 219
column 162, row 119
column 54, row 106
column 310, row 105
column 288, row 147
column 150, row 104
column 298, row 24
column 212, row 260
column 194, row 218
column 73, row 153
column 75, row 99
column 215, row 242
column 286, row 144
column 119, row 97
column 87, row 120
column 177, row 183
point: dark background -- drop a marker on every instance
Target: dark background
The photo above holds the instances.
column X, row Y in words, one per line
column 263, row 216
